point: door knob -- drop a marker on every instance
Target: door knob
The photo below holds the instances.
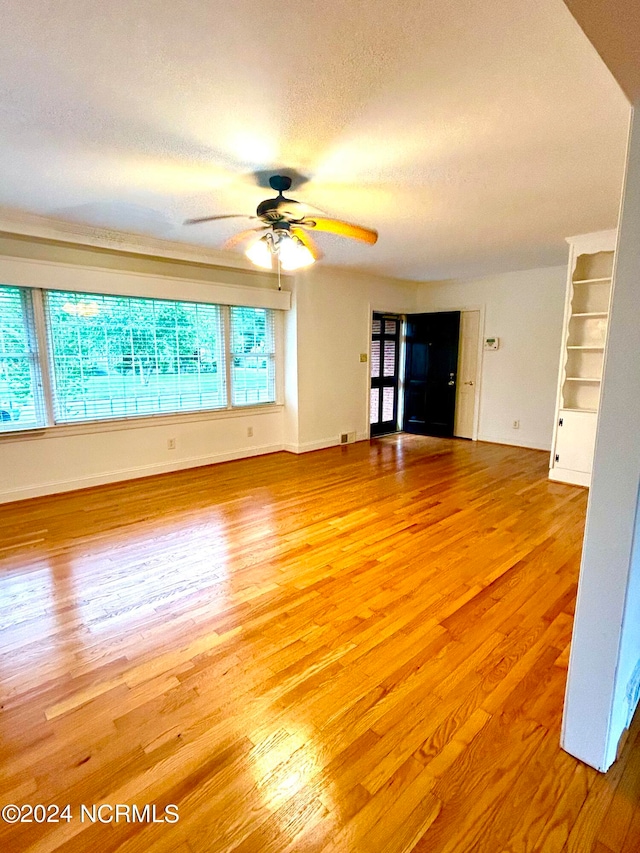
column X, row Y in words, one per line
column 468, row 383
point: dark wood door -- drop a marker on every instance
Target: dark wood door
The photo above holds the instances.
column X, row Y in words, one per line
column 385, row 352
column 431, row 373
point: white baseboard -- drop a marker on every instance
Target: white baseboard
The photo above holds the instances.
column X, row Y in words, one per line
column 308, row 446
column 134, row 473
column 574, row 478
column 513, row 442
column 291, row 448
column 322, row 444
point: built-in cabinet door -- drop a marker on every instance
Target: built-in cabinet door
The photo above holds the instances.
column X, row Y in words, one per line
column 575, row 440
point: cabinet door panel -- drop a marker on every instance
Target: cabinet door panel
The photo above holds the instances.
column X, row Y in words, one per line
column 576, row 441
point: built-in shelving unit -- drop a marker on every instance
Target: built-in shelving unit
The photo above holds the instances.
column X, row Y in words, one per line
column 584, row 341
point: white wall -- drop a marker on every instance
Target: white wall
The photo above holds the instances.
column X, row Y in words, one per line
column 291, row 416
column 606, row 638
column 55, row 463
column 326, row 385
column 334, row 310
column 519, row 380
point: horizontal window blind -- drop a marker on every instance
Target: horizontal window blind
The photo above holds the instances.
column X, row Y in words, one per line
column 68, row 357
column 253, row 366
column 119, row 356
column 21, row 401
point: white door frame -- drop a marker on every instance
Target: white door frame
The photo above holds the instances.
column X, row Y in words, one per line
column 403, row 317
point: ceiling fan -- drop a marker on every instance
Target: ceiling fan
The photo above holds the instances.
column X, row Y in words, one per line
column 286, row 226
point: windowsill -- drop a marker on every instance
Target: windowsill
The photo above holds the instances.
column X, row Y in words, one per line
column 117, row 424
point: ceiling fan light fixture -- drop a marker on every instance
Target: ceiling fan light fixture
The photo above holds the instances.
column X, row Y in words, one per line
column 293, row 254
column 260, row 253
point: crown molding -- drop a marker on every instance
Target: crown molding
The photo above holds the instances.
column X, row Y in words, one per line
column 22, row 224
column 596, row 241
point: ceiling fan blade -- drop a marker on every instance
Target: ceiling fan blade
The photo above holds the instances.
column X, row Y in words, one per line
column 212, row 218
column 308, row 241
column 342, row 229
column 242, row 235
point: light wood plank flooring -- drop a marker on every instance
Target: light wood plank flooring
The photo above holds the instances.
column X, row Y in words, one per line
column 362, row 649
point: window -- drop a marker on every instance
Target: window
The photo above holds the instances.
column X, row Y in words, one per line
column 253, row 373
column 21, row 404
column 117, row 356
column 110, row 357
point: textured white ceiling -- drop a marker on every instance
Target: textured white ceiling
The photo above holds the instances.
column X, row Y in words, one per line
column 474, row 135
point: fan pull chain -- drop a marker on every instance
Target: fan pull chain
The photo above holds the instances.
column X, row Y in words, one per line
column 279, row 274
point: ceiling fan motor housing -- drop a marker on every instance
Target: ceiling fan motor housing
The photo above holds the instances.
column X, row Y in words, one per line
column 280, row 183
column 268, row 210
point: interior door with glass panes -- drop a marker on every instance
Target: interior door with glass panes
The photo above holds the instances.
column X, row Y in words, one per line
column 385, row 350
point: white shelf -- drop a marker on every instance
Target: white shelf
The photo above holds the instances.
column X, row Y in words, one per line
column 592, row 314
column 587, row 296
column 597, row 349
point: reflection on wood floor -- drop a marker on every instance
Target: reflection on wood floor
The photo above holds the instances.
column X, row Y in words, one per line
column 358, row 649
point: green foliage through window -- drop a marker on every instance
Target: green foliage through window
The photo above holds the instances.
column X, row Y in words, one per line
column 20, row 392
column 120, row 356
column 253, row 356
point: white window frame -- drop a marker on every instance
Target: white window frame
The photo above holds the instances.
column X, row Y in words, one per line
column 38, row 276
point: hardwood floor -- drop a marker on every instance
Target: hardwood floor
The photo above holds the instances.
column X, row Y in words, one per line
column 361, row 649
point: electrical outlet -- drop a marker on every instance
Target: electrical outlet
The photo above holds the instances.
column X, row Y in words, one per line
column 516, row 424
column 249, row 432
column 171, row 444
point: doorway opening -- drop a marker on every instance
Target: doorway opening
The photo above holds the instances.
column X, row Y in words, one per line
column 442, row 373
column 385, row 379
column 423, row 380
column 431, row 373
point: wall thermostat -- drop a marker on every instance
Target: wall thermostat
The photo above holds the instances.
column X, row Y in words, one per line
column 492, row 343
